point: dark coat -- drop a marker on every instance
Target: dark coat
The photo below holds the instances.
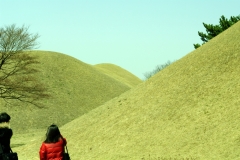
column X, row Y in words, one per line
column 5, row 136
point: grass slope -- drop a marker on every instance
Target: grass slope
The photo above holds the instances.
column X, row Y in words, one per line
column 76, row 88
column 119, row 74
column 188, row 110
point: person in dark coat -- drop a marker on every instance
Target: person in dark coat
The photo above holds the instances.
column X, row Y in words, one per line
column 5, row 132
column 53, row 147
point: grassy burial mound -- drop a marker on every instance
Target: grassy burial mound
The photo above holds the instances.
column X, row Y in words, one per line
column 75, row 89
column 188, row 110
column 119, row 74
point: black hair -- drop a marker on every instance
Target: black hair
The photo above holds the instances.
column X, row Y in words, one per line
column 53, row 134
column 4, row 117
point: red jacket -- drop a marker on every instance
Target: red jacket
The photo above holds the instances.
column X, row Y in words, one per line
column 52, row 151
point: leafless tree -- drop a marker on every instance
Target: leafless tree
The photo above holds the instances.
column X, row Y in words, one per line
column 17, row 80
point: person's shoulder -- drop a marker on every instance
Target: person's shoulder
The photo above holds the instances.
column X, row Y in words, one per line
column 9, row 131
column 63, row 140
column 43, row 146
column 6, row 130
column 46, row 145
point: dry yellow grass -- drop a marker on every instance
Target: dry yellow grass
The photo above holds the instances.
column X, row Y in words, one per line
column 119, row 74
column 75, row 87
column 188, row 110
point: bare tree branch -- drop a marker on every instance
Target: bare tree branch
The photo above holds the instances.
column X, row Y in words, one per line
column 17, row 80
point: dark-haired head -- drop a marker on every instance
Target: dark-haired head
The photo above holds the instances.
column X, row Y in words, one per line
column 4, row 117
column 53, row 134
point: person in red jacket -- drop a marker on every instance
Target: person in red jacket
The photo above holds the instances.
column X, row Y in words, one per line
column 53, row 147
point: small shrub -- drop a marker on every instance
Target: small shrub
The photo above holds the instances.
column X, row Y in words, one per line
column 156, row 70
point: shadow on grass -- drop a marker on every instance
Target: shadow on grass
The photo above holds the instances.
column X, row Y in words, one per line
column 17, row 145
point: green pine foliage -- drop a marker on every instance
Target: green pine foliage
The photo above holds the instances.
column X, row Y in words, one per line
column 214, row 30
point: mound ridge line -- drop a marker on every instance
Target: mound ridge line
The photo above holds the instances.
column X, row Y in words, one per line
column 188, row 110
column 76, row 88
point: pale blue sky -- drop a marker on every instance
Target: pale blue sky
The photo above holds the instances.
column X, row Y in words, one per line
column 136, row 35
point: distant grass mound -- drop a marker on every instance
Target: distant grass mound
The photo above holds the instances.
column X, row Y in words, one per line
column 119, row 74
column 75, row 87
column 190, row 110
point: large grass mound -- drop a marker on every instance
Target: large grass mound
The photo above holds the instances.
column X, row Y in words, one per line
column 188, row 110
column 119, row 74
column 75, row 88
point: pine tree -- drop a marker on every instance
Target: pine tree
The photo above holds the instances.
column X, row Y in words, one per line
column 214, row 30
